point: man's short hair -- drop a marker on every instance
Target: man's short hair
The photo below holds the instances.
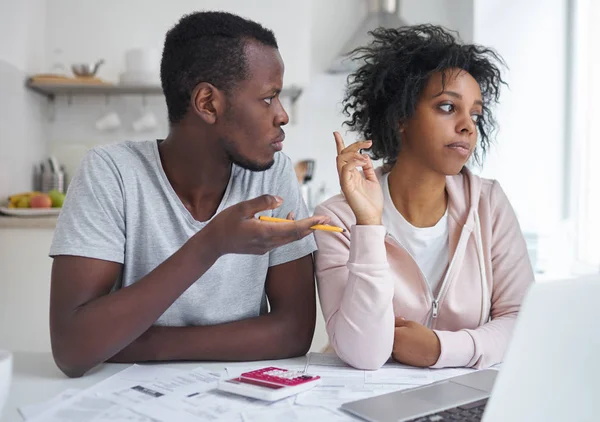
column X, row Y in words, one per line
column 206, row 47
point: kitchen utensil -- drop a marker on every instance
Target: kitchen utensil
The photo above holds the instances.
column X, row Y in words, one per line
column 147, row 121
column 54, row 167
column 304, row 173
column 310, row 168
column 304, row 170
column 51, row 176
column 109, row 121
column 86, row 70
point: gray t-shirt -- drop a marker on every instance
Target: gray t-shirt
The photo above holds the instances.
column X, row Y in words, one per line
column 121, row 207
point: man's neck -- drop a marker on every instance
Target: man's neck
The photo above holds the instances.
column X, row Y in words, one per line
column 418, row 193
column 197, row 169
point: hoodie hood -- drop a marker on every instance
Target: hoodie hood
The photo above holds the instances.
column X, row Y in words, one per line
column 463, row 196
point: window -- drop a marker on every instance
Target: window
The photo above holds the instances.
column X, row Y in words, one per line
column 585, row 133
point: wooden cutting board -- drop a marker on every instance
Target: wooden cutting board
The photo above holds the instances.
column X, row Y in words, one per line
column 61, row 80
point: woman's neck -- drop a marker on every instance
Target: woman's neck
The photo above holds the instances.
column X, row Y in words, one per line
column 418, row 193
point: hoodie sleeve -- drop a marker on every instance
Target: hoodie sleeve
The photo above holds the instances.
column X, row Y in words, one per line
column 512, row 275
column 356, row 292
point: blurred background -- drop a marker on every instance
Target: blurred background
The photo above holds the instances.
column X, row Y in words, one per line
column 74, row 74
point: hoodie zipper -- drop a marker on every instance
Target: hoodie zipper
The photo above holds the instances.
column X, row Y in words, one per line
column 435, row 308
column 434, row 301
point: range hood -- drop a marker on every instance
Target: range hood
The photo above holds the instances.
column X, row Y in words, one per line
column 381, row 13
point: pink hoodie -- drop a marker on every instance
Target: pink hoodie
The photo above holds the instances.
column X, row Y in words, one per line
column 366, row 278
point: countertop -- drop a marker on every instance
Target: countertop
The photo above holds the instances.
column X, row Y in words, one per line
column 12, row 222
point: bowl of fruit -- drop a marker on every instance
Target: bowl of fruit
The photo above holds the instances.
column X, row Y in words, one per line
column 33, row 204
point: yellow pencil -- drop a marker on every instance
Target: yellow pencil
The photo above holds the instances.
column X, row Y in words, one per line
column 316, row 227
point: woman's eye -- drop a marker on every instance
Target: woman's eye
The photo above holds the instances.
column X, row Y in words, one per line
column 447, row 108
column 476, row 117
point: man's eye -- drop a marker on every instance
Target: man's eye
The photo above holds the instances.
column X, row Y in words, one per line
column 268, row 100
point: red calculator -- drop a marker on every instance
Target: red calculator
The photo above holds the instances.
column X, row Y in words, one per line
column 270, row 383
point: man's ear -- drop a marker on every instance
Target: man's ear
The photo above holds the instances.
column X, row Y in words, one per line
column 208, row 102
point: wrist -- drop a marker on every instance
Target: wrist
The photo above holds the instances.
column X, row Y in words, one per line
column 206, row 245
column 437, row 350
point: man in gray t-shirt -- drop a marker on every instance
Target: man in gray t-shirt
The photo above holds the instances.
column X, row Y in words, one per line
column 158, row 254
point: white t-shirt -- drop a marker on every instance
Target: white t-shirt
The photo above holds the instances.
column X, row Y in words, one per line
column 427, row 245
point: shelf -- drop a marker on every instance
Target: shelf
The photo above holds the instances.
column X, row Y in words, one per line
column 51, row 90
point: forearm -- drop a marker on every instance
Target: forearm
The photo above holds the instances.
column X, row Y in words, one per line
column 269, row 336
column 363, row 342
column 97, row 330
column 362, row 329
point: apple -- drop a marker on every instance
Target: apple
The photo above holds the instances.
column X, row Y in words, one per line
column 57, row 198
column 41, row 201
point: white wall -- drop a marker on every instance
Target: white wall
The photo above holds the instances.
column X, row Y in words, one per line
column 22, row 26
column 528, row 156
column 22, row 138
column 456, row 15
column 86, row 31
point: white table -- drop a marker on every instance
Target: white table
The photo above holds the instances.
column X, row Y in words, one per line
column 36, row 378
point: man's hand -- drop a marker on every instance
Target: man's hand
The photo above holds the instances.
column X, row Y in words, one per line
column 236, row 230
column 415, row 344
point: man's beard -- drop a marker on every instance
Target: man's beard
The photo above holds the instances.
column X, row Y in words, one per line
column 236, row 158
column 232, row 152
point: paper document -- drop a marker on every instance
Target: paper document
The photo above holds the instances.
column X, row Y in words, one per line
column 396, row 375
column 297, row 414
column 211, row 405
column 31, row 410
column 445, row 373
column 172, row 383
column 333, row 397
column 115, row 397
column 325, row 359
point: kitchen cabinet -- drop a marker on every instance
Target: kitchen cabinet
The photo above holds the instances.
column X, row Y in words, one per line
column 25, row 283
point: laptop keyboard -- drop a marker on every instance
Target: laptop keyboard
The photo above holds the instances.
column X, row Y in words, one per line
column 472, row 412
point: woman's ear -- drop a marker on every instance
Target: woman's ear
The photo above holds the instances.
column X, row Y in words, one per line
column 401, row 126
column 207, row 102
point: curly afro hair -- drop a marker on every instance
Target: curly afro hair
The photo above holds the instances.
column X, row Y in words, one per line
column 206, row 47
column 397, row 65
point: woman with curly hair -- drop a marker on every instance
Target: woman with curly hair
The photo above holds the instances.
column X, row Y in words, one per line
column 433, row 266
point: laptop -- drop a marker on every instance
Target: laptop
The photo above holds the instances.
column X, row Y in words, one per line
column 551, row 371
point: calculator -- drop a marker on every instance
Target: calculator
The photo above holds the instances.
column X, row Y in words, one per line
column 270, row 383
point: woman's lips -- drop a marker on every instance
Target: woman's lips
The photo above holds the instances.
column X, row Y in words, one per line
column 461, row 148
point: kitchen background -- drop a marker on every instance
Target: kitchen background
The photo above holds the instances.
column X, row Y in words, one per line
column 542, row 155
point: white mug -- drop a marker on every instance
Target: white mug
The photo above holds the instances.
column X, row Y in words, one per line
column 146, row 122
column 5, row 376
column 109, row 121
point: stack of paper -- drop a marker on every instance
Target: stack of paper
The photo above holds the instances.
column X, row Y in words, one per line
column 152, row 393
